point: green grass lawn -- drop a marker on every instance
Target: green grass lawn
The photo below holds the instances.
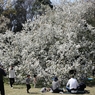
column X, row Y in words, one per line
column 21, row 90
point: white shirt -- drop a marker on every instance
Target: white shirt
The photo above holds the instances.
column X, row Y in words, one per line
column 72, row 83
column 12, row 73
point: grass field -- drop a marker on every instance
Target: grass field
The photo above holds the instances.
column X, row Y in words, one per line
column 21, row 90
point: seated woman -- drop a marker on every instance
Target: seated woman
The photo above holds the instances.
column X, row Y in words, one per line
column 81, row 86
column 56, row 85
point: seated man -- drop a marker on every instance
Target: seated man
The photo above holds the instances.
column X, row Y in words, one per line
column 72, row 84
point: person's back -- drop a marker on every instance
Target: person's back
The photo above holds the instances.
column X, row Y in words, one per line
column 56, row 86
column 73, row 83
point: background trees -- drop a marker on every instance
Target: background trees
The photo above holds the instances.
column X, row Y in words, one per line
column 22, row 10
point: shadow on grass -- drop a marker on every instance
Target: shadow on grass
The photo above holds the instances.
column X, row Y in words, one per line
column 18, row 87
column 33, row 93
column 80, row 92
column 87, row 91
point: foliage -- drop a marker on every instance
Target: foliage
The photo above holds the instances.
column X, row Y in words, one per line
column 91, row 13
column 7, row 12
column 39, row 6
column 90, row 82
column 1, row 10
column 21, row 11
column 3, row 24
column 52, row 45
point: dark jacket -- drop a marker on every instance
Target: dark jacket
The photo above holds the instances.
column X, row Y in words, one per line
column 2, row 73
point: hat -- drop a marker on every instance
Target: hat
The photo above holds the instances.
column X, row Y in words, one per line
column 55, row 79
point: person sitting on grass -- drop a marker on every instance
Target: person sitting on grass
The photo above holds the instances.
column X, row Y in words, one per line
column 72, row 84
column 56, row 86
column 81, row 86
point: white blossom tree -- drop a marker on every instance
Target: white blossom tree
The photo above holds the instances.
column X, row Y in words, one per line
column 53, row 44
